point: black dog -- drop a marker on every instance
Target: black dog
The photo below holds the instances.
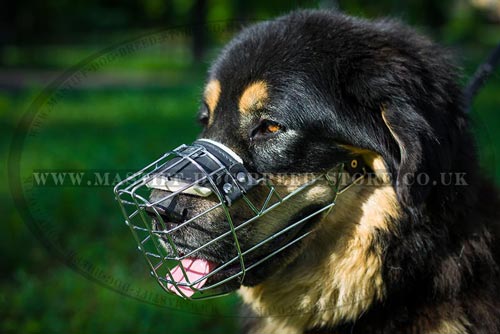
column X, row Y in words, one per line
column 415, row 252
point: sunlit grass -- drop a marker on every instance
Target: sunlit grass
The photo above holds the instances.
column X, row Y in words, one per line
column 118, row 128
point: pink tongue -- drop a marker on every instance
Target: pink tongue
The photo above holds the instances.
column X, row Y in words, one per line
column 195, row 269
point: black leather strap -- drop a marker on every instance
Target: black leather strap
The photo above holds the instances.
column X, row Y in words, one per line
column 230, row 176
column 238, row 181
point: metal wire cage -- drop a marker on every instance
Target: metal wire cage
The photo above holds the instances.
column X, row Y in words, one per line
column 167, row 264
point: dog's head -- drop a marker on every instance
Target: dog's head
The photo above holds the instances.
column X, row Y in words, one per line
column 298, row 96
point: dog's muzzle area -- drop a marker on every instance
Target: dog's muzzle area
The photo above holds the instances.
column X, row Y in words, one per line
column 199, row 217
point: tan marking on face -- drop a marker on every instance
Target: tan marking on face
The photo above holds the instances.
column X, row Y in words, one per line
column 211, row 95
column 254, row 97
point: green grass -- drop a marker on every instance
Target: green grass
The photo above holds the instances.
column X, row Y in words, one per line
column 486, row 119
column 120, row 128
column 104, row 129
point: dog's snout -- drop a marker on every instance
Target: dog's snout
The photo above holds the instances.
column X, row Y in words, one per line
column 171, row 216
column 163, row 225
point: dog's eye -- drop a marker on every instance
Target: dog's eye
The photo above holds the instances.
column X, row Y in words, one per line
column 203, row 120
column 265, row 129
column 273, row 128
column 203, row 116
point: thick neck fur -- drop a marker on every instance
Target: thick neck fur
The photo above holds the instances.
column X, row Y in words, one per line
column 374, row 268
column 344, row 253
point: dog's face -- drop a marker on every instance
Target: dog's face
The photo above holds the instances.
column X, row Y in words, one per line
column 300, row 95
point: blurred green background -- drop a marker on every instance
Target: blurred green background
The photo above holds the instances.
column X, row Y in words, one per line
column 67, row 249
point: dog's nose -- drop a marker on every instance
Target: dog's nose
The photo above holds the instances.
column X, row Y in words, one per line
column 169, row 218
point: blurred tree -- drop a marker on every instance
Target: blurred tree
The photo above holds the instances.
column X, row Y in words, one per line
column 30, row 22
column 198, row 22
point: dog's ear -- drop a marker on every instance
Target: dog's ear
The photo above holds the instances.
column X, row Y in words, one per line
column 413, row 172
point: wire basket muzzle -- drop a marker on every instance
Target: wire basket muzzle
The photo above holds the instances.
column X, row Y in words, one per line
column 207, row 169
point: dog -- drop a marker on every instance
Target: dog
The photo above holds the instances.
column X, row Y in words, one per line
column 416, row 249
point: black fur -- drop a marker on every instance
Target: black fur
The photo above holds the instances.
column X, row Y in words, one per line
column 332, row 80
column 329, row 75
